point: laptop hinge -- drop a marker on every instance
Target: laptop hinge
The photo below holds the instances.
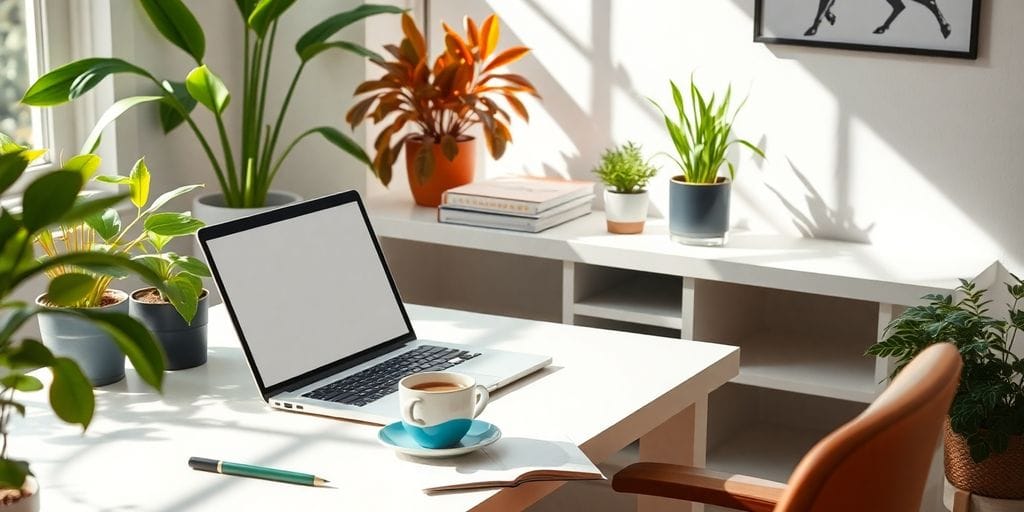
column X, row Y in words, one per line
column 345, row 364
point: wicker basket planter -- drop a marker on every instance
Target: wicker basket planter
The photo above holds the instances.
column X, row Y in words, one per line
column 999, row 476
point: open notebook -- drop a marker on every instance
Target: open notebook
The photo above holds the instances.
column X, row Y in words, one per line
column 507, row 463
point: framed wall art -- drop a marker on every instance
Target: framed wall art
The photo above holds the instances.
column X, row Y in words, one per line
column 945, row 28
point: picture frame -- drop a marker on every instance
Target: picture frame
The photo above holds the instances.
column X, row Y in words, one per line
column 938, row 28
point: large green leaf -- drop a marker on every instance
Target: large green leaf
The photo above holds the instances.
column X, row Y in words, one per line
column 12, row 166
column 85, row 208
column 315, row 49
column 162, row 199
column 106, row 223
column 8, row 145
column 245, row 7
column 342, row 141
column 265, row 13
column 48, row 198
column 74, row 79
column 327, row 28
column 191, row 265
column 114, row 265
column 119, row 107
column 138, row 183
column 13, row 473
column 173, row 19
column 172, row 224
column 134, row 340
column 71, row 393
column 68, row 289
column 170, row 117
column 29, row 354
column 86, row 164
column 207, row 89
column 184, row 295
column 18, row 382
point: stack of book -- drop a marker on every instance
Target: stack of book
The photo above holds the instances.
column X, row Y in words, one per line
column 516, row 203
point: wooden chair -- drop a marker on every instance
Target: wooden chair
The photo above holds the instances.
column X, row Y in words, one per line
column 877, row 462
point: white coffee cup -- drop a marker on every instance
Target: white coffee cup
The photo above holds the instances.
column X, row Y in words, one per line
column 438, row 407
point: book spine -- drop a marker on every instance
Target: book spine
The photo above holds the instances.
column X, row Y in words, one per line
column 490, row 204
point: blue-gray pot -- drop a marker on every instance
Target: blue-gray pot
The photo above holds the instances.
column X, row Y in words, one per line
column 699, row 212
column 84, row 342
column 184, row 344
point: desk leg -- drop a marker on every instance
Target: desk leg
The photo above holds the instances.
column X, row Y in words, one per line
column 682, row 439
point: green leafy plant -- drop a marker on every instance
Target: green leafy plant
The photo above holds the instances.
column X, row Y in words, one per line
column 54, row 198
column 989, row 404
column 181, row 275
column 702, row 134
column 245, row 179
column 625, row 170
column 103, row 231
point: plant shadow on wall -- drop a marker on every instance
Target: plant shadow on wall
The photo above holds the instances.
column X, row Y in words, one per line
column 909, row 102
column 820, row 219
column 588, row 127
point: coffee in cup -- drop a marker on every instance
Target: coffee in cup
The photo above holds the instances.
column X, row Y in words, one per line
column 438, row 407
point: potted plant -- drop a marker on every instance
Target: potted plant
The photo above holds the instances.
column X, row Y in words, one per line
column 245, row 176
column 984, row 433
column 699, row 197
column 625, row 174
column 103, row 232
column 49, row 198
column 443, row 100
column 179, row 316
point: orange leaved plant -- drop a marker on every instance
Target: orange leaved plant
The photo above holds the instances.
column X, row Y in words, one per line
column 445, row 99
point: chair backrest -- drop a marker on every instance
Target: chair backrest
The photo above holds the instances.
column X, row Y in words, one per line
column 879, row 461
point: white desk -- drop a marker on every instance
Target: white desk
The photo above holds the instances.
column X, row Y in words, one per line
column 604, row 390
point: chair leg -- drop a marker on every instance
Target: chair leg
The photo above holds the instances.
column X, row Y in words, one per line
column 682, row 439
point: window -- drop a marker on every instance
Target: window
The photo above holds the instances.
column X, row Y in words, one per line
column 35, row 36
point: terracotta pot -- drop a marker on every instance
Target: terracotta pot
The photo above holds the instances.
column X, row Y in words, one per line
column 29, row 502
column 999, row 476
column 446, row 175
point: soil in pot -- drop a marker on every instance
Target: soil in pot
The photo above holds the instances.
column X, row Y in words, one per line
column 184, row 344
column 999, row 476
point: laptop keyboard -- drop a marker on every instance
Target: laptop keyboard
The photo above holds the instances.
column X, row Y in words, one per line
column 382, row 379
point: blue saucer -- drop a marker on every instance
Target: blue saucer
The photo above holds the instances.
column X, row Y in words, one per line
column 480, row 434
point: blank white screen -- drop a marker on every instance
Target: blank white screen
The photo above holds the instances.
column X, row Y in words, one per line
column 307, row 291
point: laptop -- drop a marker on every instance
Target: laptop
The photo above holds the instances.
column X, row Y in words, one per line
column 320, row 319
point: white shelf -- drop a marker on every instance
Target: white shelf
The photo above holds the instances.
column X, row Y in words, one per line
column 827, row 368
column 645, row 299
column 826, row 267
column 763, row 450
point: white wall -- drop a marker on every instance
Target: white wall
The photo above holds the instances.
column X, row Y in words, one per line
column 904, row 150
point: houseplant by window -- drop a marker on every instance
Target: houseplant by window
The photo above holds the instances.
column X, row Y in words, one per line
column 625, row 174
column 244, row 172
column 442, row 101
column 103, row 232
column 699, row 197
column 50, row 198
column 984, row 435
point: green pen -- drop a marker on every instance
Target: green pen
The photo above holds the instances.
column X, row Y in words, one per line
column 234, row 468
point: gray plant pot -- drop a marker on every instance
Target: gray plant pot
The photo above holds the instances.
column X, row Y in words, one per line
column 89, row 345
column 699, row 213
column 184, row 345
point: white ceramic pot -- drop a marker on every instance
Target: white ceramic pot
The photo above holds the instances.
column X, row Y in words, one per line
column 212, row 209
column 625, row 213
column 28, row 504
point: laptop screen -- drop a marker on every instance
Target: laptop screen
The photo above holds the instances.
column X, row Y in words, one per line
column 307, row 291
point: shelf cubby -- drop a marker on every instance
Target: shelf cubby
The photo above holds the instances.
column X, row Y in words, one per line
column 605, row 323
column 628, row 296
column 792, row 341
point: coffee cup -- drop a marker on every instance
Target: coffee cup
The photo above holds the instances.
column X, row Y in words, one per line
column 438, row 407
